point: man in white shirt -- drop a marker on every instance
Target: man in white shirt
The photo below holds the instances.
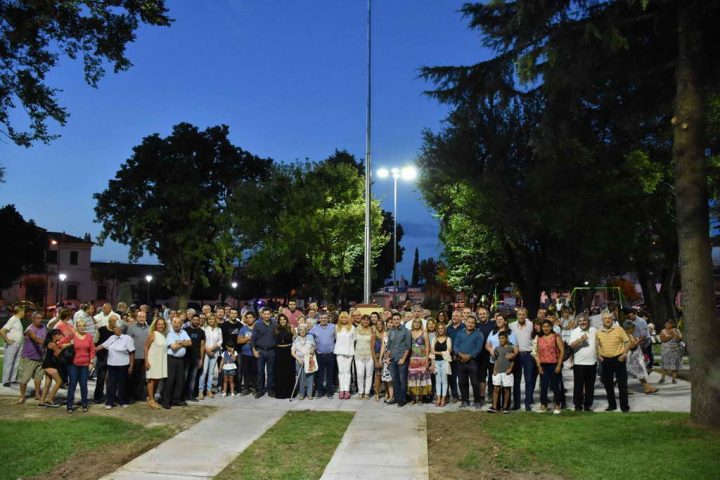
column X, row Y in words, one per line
column 524, row 363
column 416, row 313
column 103, row 316
column 583, row 341
column 12, row 334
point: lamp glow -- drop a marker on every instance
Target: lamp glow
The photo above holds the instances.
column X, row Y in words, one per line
column 383, row 173
column 148, row 278
column 409, row 173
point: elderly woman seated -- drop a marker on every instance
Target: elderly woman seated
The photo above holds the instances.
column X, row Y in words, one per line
column 120, row 361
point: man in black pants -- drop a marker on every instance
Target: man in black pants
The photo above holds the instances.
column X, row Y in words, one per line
column 466, row 350
column 262, row 342
column 248, row 362
column 583, row 341
column 177, row 343
column 485, row 326
column 139, row 332
column 194, row 358
column 613, row 346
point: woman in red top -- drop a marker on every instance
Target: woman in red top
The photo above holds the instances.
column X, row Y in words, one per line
column 78, row 369
column 550, row 350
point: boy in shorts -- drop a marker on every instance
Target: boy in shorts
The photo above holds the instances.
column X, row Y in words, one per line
column 502, row 374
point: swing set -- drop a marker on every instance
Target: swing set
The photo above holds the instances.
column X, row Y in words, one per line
column 586, row 297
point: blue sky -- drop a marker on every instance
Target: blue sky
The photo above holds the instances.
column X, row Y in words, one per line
column 288, row 77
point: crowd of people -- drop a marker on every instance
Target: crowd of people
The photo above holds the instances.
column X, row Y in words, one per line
column 170, row 357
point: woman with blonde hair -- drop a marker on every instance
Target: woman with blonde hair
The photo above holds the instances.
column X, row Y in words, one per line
column 364, row 364
column 156, row 358
column 382, row 374
column 78, row 369
column 440, row 359
column 344, row 351
column 419, row 383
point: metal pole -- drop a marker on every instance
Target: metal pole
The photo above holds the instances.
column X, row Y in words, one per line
column 368, row 158
column 395, row 285
column 148, row 293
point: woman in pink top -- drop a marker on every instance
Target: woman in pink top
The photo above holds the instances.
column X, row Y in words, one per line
column 549, row 358
column 78, row 369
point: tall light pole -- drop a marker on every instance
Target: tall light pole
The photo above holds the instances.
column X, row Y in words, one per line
column 368, row 160
column 59, row 291
column 148, row 279
column 407, row 173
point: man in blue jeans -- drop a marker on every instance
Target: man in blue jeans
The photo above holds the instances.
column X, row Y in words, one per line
column 456, row 325
column 262, row 342
column 324, row 335
column 399, row 344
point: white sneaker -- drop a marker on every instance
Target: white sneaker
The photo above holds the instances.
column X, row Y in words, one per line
column 232, row 394
column 223, row 394
column 556, row 411
column 108, row 407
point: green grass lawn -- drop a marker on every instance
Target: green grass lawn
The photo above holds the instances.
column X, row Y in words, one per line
column 576, row 446
column 34, row 447
column 298, row 446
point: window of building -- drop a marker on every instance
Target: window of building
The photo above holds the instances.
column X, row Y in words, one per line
column 51, row 256
column 102, row 291
column 72, row 292
column 73, row 258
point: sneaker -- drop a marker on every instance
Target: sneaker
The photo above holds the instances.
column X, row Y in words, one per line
column 244, row 392
column 223, row 395
column 85, row 408
column 491, row 410
column 464, row 405
column 329, row 395
column 124, row 405
column 610, row 409
column 232, row 394
column 543, row 409
column 52, row 405
column 477, row 406
column 108, row 407
column 271, row 394
column 556, row 411
column 528, row 408
column 674, row 382
column 258, row 394
column 301, row 397
column 506, row 412
column 311, row 397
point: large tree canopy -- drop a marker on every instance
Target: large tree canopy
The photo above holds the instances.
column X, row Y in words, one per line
column 22, row 246
column 309, row 219
column 34, row 35
column 614, row 73
column 171, row 197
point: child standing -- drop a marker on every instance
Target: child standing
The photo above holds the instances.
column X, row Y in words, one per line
column 502, row 374
column 229, row 367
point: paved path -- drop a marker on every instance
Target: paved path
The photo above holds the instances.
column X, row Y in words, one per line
column 381, row 442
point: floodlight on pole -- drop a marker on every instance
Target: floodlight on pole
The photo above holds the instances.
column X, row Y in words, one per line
column 407, row 173
column 59, row 289
column 368, row 163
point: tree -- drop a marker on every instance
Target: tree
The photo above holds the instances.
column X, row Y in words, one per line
column 22, row 246
column 416, row 269
column 386, row 260
column 578, row 54
column 34, row 36
column 314, row 220
column 171, row 197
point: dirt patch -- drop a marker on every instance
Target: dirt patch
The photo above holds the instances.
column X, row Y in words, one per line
column 459, row 448
column 93, row 464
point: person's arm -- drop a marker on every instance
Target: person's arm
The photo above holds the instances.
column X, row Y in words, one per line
column 373, row 339
column 382, row 349
column 132, row 362
column 201, row 360
column 490, row 348
column 426, row 339
column 148, row 342
column 33, row 338
column 578, row 342
column 510, row 368
column 561, row 353
column 253, row 338
column 92, row 348
column 626, row 347
column 3, row 334
column 186, row 343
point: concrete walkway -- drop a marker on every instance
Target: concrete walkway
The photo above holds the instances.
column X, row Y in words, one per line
column 382, row 441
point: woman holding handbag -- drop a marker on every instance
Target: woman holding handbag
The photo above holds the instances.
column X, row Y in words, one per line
column 303, row 351
column 78, row 369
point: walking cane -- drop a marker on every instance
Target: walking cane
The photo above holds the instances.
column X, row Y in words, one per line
column 297, row 379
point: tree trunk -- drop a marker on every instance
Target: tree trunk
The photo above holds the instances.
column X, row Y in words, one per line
column 691, row 201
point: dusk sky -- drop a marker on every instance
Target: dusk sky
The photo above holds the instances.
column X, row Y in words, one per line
column 288, row 77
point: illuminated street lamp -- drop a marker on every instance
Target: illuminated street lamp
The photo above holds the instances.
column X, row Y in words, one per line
column 59, row 289
column 406, row 173
column 148, row 279
column 234, row 286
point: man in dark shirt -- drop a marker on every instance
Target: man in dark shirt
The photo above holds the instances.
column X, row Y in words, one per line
column 484, row 326
column 103, row 333
column 456, row 325
column 399, row 344
column 194, row 358
column 262, row 342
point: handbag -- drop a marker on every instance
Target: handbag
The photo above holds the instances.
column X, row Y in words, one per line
column 310, row 364
column 67, row 355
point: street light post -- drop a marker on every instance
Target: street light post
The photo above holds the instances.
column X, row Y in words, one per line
column 148, row 279
column 59, row 289
column 407, row 173
column 234, row 287
column 368, row 160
